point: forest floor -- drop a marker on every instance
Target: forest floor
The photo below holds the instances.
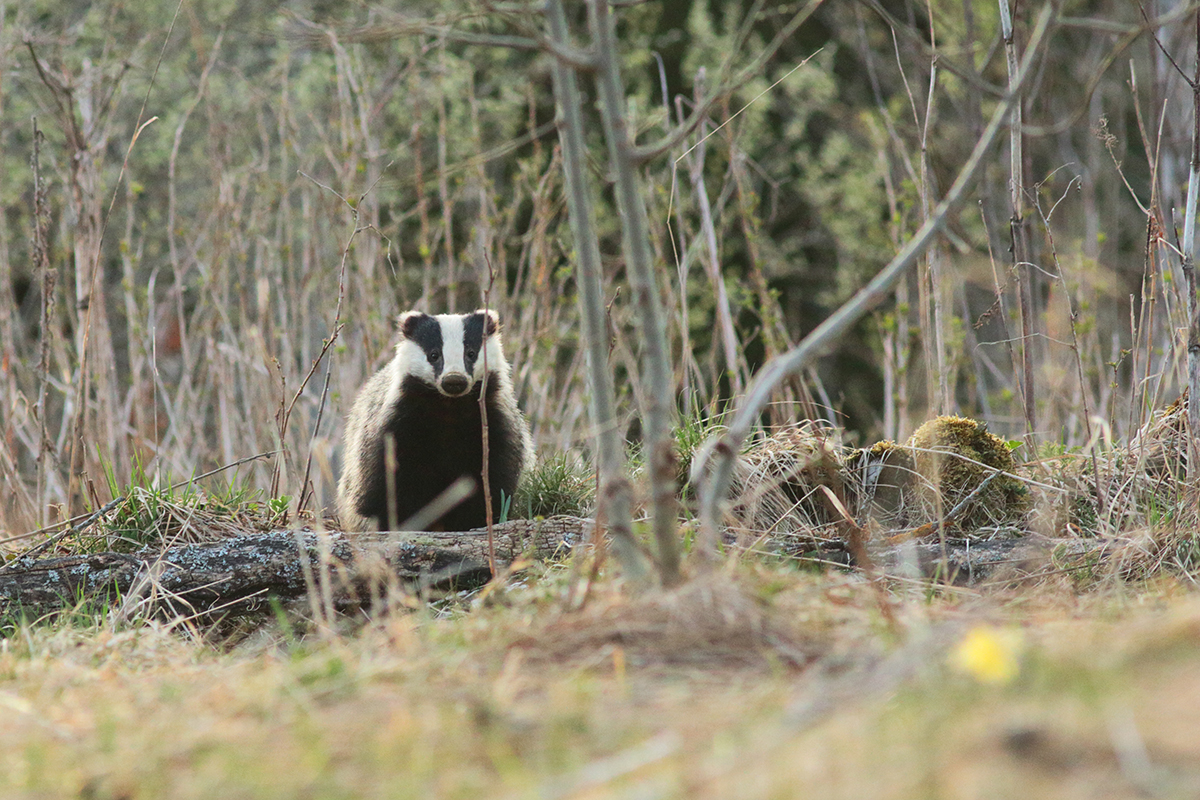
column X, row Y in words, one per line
column 764, row 681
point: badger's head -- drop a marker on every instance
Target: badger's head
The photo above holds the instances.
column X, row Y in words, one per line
column 447, row 351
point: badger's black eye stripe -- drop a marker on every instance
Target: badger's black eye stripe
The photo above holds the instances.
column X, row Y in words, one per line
column 474, row 326
column 426, row 333
column 473, row 331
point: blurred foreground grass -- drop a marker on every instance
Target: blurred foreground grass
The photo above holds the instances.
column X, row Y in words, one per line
column 766, row 683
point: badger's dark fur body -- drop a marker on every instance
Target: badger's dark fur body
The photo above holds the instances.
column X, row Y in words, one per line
column 438, row 439
column 426, row 403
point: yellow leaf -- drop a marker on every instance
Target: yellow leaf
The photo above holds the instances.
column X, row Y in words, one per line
column 989, row 654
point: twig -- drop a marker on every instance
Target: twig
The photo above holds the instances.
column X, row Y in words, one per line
column 41, row 263
column 109, row 506
column 1191, row 83
column 935, row 283
column 78, row 145
column 649, row 152
column 336, row 330
column 1128, row 36
column 407, row 26
column 735, row 366
column 950, row 517
column 178, row 266
column 485, row 475
column 1072, row 315
column 856, row 538
column 1019, row 228
column 443, row 182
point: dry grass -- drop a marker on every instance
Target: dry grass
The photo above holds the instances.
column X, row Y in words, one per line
column 954, row 478
column 709, row 621
column 695, row 694
column 777, row 484
column 227, row 271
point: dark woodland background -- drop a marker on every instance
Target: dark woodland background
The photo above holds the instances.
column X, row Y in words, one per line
column 329, row 162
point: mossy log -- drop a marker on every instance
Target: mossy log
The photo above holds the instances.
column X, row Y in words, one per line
column 240, row 574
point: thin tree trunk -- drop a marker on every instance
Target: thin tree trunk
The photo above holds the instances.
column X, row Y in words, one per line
column 615, row 499
column 444, row 189
column 1189, row 271
column 48, row 277
column 635, row 240
column 1019, row 227
column 940, row 388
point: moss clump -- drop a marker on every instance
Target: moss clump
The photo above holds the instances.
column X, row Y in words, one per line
column 953, row 456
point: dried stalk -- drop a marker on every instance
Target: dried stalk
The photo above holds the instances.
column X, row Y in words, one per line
column 485, row 476
column 425, row 242
column 443, row 179
column 41, row 261
column 729, row 343
column 944, row 397
column 725, row 84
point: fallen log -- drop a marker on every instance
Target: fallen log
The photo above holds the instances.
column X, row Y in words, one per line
column 975, row 562
column 240, row 574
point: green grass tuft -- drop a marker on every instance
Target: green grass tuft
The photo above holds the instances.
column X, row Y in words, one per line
column 159, row 511
column 558, row 485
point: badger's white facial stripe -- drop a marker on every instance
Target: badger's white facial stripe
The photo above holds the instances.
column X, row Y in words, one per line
column 494, row 354
column 456, row 346
column 410, row 359
column 452, row 344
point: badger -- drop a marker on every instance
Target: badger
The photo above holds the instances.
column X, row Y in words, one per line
column 421, row 414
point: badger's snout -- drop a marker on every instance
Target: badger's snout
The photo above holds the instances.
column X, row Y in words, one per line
column 455, row 384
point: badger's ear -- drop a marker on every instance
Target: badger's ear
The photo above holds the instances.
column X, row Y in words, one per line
column 407, row 323
column 493, row 321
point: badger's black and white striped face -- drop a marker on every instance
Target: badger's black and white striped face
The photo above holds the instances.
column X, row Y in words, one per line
column 447, row 351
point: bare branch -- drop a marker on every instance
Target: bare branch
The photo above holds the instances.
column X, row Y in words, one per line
column 1019, row 226
column 968, row 75
column 1128, row 36
column 1189, row 271
column 1165, row 52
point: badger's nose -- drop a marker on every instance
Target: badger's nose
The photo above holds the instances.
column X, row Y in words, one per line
column 455, row 384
